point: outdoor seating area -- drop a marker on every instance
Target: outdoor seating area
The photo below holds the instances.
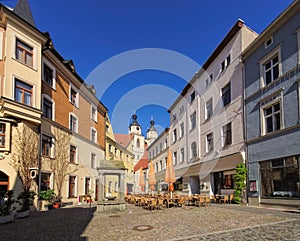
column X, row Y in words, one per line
column 160, row 201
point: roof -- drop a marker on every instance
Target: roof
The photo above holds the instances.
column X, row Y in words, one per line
column 228, row 37
column 22, row 9
column 277, row 23
column 143, row 162
column 123, row 139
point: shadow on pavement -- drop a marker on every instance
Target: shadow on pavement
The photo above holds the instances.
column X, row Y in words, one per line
column 58, row 224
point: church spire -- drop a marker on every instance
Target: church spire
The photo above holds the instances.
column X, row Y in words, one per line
column 22, row 9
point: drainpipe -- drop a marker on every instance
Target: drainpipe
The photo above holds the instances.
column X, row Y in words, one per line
column 39, row 166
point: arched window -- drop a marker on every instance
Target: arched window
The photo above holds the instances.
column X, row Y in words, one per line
column 138, row 144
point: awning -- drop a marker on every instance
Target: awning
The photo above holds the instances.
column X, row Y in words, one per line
column 216, row 165
column 228, row 162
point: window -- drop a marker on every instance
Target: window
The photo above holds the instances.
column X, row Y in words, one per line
column 161, row 164
column 23, row 92
column 156, row 150
column 48, row 75
column 226, row 135
column 272, row 118
column 47, row 146
column 298, row 36
column 225, row 63
column 209, row 80
column 73, row 154
column 268, row 42
column 72, row 184
column 271, row 69
column 93, row 135
column 110, row 186
column 181, row 130
column 47, row 108
column 156, row 166
column 74, row 96
column 2, row 134
column 73, row 123
column 175, row 158
column 160, row 147
column 280, row 177
column 94, row 113
column 193, row 150
column 208, row 109
column 193, row 96
column 138, row 143
column 226, row 95
column 181, row 155
column 228, row 181
column 45, row 181
column 174, row 135
column 193, row 121
column 87, row 185
column 24, row 53
column 209, row 142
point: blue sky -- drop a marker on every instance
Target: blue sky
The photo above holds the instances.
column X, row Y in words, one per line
column 94, row 32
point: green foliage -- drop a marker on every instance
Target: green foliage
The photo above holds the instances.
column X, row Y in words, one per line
column 240, row 182
column 48, row 195
column 6, row 200
column 26, row 198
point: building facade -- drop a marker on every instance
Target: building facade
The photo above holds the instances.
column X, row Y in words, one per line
column 272, row 74
column 206, row 132
column 47, row 108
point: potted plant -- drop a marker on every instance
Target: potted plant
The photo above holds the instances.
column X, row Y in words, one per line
column 49, row 197
column 57, row 201
column 6, row 200
column 25, row 198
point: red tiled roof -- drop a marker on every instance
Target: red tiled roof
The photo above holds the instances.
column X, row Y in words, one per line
column 143, row 162
column 123, row 139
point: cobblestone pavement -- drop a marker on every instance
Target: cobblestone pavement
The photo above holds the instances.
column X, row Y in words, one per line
column 216, row 222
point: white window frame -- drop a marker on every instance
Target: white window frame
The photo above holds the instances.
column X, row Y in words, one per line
column 29, row 43
column 94, row 118
column 76, row 104
column 265, row 59
column 266, row 42
column 193, row 115
column 52, row 145
column 192, row 157
column 266, row 103
column 181, row 130
column 207, row 117
column 77, row 122
column 223, row 134
column 46, row 62
column 182, row 155
column 7, row 145
column 226, row 63
column 33, row 104
column 207, row 144
column 76, row 156
column 91, row 137
column 174, row 136
column 93, row 165
column 175, row 158
column 47, row 97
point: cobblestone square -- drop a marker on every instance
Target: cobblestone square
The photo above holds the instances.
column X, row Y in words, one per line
column 215, row 222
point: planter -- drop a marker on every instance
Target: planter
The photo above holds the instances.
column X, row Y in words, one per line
column 22, row 214
column 57, row 205
column 7, row 218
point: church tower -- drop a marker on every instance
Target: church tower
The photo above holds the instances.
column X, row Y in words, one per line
column 152, row 133
column 134, row 127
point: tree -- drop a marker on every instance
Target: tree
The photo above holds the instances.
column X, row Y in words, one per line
column 61, row 165
column 240, row 182
column 25, row 157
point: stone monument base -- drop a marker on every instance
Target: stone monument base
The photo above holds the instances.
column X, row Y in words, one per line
column 108, row 206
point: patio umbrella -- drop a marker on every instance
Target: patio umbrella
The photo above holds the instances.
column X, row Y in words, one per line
column 142, row 179
column 152, row 179
column 170, row 173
